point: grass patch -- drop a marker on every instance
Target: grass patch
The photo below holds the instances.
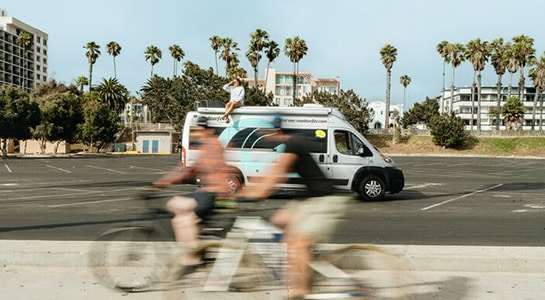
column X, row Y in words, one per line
column 501, row 146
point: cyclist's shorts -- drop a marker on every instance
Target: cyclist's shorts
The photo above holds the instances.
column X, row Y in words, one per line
column 320, row 216
column 205, row 203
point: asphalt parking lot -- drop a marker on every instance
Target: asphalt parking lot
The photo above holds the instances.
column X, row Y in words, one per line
column 446, row 200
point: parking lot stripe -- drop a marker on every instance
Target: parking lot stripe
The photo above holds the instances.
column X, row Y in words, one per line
column 7, row 167
column 463, row 196
column 63, row 170
column 115, row 171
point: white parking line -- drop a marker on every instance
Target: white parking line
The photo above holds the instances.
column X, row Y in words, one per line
column 141, row 168
column 463, row 196
column 88, row 202
column 115, row 171
column 63, row 170
column 422, row 185
column 7, row 167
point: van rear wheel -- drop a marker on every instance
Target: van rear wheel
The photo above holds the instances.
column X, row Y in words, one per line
column 372, row 188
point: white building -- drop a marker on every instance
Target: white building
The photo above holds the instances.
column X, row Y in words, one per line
column 26, row 69
column 378, row 109
column 463, row 106
column 281, row 85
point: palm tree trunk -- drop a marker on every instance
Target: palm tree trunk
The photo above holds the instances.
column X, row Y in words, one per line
column 255, row 70
column 499, row 92
column 90, row 76
column 540, row 112
column 216, row 58
column 452, row 90
column 115, row 69
column 473, row 100
column 266, row 77
column 509, row 92
column 479, row 101
column 534, row 106
column 294, row 81
column 387, row 108
column 442, row 109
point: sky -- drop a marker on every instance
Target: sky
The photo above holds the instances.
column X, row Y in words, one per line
column 344, row 37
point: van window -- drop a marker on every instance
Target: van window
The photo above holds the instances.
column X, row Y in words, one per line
column 348, row 143
column 193, row 142
column 253, row 138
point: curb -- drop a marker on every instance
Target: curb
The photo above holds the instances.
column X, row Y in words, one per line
column 415, row 257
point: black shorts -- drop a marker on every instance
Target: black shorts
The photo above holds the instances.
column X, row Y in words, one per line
column 206, row 201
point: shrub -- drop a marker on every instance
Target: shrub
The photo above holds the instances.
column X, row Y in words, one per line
column 448, row 131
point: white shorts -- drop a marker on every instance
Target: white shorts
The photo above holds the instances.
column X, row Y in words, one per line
column 320, row 216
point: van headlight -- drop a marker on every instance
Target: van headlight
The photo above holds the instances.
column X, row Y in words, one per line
column 386, row 159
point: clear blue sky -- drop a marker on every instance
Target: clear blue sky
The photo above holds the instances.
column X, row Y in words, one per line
column 344, row 37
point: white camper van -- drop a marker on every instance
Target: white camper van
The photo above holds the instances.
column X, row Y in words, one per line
column 342, row 153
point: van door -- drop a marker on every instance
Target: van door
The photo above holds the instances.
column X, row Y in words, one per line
column 345, row 160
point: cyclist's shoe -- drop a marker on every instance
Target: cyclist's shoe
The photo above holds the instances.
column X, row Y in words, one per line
column 183, row 271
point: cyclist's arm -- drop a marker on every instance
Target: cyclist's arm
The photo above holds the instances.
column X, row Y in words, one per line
column 175, row 177
column 275, row 174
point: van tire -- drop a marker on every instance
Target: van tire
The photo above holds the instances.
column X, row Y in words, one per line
column 372, row 188
column 234, row 181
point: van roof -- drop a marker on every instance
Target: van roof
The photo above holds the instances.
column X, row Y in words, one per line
column 307, row 109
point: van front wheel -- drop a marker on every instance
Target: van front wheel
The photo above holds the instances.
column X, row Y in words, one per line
column 372, row 188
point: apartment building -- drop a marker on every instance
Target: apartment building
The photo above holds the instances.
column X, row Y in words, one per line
column 463, row 106
column 281, row 85
column 26, row 69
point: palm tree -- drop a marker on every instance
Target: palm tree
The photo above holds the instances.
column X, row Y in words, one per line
column 388, row 55
column 216, row 44
column 259, row 40
column 442, row 49
column 524, row 54
column 113, row 94
column 405, row 80
column 25, row 41
column 178, row 54
column 513, row 113
column 81, row 81
column 238, row 72
column 93, row 52
column 455, row 57
column 153, row 54
column 477, row 52
column 537, row 73
column 295, row 49
column 271, row 51
column 114, row 50
column 228, row 54
column 499, row 61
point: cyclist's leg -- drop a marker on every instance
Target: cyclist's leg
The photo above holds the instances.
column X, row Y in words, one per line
column 184, row 222
column 306, row 223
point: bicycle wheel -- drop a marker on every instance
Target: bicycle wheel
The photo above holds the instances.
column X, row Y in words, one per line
column 131, row 259
column 360, row 270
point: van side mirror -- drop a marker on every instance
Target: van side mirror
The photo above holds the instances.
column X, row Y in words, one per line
column 364, row 151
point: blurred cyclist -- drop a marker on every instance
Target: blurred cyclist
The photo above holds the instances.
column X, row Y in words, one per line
column 190, row 209
column 305, row 222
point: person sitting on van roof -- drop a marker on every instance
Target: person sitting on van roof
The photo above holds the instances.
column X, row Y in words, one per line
column 236, row 99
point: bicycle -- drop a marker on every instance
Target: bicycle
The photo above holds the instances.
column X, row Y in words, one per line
column 246, row 256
